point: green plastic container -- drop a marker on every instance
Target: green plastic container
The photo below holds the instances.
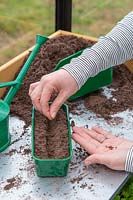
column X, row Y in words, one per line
column 92, row 84
column 5, row 137
column 102, row 79
column 52, row 167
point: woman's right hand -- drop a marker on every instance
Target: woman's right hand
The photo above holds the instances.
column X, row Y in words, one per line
column 60, row 82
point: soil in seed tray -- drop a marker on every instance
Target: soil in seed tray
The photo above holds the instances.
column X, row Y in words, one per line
column 51, row 137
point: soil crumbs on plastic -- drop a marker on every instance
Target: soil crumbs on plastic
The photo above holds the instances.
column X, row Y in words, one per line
column 122, row 96
column 13, row 182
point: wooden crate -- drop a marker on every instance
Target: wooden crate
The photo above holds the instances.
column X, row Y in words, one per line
column 9, row 69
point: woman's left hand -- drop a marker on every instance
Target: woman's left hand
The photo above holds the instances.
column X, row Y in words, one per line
column 104, row 148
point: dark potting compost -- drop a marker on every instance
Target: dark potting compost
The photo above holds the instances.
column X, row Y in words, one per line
column 51, row 137
column 122, row 95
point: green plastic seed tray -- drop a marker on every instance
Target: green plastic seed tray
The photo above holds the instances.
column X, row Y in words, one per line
column 92, row 84
column 52, row 167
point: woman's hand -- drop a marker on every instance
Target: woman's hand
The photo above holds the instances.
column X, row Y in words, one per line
column 104, row 148
column 60, row 82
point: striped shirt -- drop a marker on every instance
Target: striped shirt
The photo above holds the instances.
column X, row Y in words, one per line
column 112, row 49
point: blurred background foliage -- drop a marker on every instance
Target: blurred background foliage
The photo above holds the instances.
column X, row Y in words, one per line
column 20, row 21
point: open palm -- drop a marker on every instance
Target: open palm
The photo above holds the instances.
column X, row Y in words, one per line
column 104, row 148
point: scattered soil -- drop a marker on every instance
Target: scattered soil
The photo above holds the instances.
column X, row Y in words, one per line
column 11, row 152
column 110, row 147
column 80, row 153
column 76, row 180
column 13, row 182
column 90, row 187
column 23, row 151
column 115, row 120
column 26, row 151
column 51, row 137
column 79, row 178
column 83, row 185
column 122, row 93
column 72, row 123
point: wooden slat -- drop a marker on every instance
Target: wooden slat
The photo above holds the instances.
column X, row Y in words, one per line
column 129, row 65
column 60, row 32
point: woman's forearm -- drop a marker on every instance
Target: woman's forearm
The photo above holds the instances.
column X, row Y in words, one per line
column 129, row 161
column 114, row 48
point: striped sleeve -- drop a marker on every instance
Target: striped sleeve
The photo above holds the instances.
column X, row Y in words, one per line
column 112, row 49
column 129, row 161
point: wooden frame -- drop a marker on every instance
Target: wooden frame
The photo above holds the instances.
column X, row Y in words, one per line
column 9, row 69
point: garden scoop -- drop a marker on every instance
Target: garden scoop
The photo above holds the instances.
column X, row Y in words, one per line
column 14, row 85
